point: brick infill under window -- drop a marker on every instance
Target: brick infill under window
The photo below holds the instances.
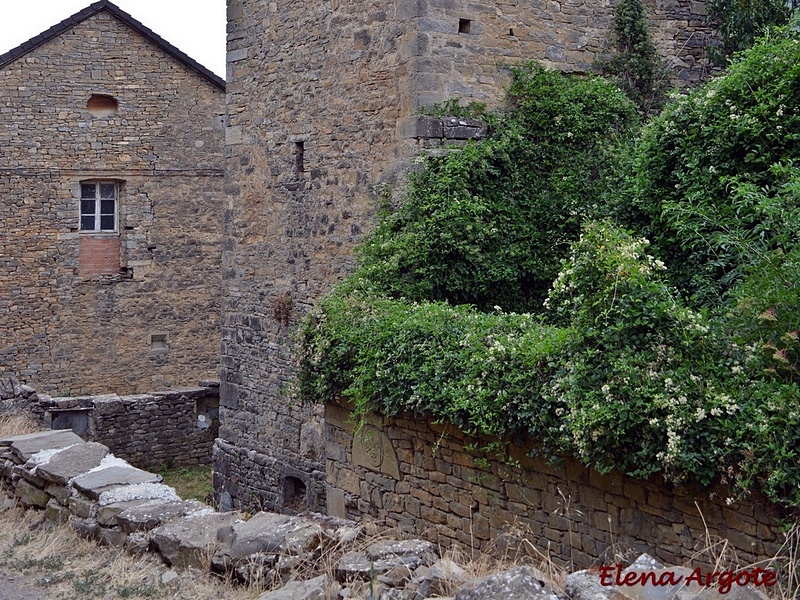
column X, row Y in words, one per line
column 98, row 255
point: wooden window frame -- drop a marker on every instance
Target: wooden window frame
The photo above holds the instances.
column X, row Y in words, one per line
column 98, row 198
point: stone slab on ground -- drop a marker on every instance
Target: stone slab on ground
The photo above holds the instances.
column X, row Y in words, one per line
column 356, row 565
column 138, row 491
column 73, row 461
column 264, row 532
column 304, row 538
column 412, row 553
column 152, row 514
column 585, row 585
column 25, row 446
column 444, row 575
column 383, row 557
column 190, row 542
column 107, row 515
column 94, row 483
column 648, row 591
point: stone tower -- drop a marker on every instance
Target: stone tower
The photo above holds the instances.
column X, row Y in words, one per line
column 324, row 104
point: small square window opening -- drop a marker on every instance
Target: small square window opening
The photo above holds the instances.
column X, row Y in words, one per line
column 158, row 342
column 464, row 25
column 98, row 206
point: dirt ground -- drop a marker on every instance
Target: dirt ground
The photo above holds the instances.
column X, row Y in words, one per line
column 15, row 586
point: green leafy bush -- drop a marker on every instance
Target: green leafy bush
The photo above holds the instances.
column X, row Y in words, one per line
column 764, row 307
column 448, row 362
column 618, row 366
column 637, row 388
column 488, row 224
column 692, row 158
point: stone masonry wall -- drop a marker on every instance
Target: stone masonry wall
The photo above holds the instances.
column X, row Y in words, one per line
column 462, row 46
column 78, row 309
column 313, row 104
column 418, row 477
column 324, row 104
column 174, row 428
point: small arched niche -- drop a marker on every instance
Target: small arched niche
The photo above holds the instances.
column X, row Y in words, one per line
column 294, row 494
column 101, row 105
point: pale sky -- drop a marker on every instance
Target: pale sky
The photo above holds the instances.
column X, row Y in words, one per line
column 197, row 27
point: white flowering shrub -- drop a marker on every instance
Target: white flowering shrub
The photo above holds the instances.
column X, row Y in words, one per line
column 619, row 373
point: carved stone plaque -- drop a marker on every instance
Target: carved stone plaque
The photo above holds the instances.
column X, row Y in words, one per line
column 373, row 449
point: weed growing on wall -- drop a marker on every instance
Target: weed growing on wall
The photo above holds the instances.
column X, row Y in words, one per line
column 636, row 66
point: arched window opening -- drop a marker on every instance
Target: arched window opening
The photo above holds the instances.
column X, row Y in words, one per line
column 101, row 105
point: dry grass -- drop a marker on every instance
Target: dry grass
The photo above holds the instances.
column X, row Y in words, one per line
column 788, row 564
column 17, row 423
column 70, row 567
column 515, row 550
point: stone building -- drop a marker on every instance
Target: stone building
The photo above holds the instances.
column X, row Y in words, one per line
column 324, row 104
column 111, row 191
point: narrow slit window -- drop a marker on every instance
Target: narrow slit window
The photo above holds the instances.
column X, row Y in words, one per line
column 464, row 25
column 98, row 206
column 299, row 157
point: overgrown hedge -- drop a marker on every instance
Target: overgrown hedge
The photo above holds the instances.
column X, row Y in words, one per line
column 692, row 159
column 630, row 380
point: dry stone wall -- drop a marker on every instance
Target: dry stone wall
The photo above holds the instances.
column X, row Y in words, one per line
column 420, row 478
column 175, row 427
column 170, row 428
column 324, row 103
column 78, row 310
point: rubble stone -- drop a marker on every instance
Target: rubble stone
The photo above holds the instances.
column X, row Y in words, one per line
column 521, row 583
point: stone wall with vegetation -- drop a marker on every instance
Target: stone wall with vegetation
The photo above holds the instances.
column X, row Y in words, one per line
column 79, row 311
column 424, row 479
column 310, row 162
